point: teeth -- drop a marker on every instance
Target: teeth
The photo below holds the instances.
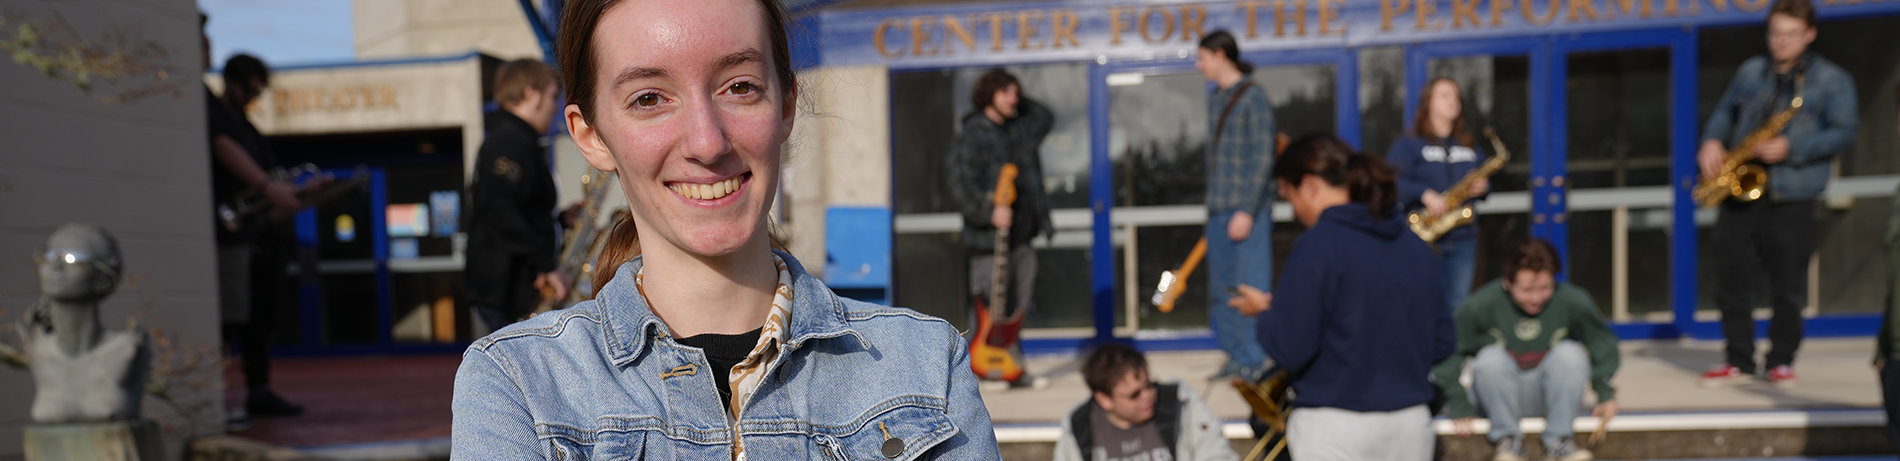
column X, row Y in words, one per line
column 712, row 191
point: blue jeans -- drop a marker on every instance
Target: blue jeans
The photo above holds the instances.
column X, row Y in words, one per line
column 1459, row 257
column 1553, row 390
column 1230, row 264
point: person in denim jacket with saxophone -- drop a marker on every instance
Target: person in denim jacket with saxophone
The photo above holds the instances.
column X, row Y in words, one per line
column 702, row 342
column 1774, row 235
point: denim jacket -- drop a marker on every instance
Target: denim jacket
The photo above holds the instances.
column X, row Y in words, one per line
column 605, row 380
column 1822, row 129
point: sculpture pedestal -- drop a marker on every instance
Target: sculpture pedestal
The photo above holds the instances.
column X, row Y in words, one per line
column 111, row 441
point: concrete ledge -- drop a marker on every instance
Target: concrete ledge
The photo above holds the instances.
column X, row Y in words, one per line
column 231, row 448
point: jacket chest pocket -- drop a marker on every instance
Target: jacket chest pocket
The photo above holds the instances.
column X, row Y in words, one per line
column 607, row 446
column 900, row 434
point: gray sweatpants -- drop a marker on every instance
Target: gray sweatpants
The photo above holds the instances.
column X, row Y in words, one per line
column 1332, row 434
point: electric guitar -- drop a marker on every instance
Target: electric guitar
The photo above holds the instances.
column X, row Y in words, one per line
column 989, row 348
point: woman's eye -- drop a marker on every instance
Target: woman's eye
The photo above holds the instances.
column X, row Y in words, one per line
column 744, row 88
column 647, row 100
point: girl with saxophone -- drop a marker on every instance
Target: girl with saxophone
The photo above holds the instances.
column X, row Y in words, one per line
column 1433, row 157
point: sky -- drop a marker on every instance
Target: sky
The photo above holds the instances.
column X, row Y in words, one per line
column 281, row 32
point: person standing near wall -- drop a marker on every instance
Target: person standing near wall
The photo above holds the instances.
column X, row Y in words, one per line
column 512, row 242
column 1239, row 199
column 1773, row 236
column 1436, row 154
column 1004, row 127
column 253, row 259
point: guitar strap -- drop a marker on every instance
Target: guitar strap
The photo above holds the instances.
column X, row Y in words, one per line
column 1222, row 124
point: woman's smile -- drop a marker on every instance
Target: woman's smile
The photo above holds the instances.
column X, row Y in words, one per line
column 713, row 192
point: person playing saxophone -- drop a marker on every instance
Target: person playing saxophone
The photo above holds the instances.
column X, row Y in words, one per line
column 1773, row 236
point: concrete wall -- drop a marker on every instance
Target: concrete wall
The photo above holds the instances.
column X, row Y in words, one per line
column 839, row 153
column 140, row 168
column 409, row 28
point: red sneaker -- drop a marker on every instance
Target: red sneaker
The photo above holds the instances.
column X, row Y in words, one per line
column 1724, row 375
column 1782, row 376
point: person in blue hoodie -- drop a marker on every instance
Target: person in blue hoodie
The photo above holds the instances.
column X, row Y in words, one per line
column 1436, row 154
column 1358, row 318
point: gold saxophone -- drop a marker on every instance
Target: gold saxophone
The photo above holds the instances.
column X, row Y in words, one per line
column 1429, row 226
column 1740, row 177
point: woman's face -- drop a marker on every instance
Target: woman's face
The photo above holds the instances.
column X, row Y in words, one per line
column 1445, row 104
column 689, row 112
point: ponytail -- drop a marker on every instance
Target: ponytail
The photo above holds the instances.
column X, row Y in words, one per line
column 1370, row 181
column 623, row 244
column 1366, row 179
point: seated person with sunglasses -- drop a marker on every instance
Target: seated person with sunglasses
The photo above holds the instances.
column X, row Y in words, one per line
column 1131, row 417
column 81, row 373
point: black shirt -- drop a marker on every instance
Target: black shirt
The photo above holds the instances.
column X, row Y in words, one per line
column 220, row 119
column 723, row 352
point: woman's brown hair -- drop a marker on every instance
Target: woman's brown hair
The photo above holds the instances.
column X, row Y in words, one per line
column 1422, row 121
column 574, row 51
column 1366, row 179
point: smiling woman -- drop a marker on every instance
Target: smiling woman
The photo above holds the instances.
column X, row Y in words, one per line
column 703, row 342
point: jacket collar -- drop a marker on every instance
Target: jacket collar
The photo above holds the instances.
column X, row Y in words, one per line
column 631, row 327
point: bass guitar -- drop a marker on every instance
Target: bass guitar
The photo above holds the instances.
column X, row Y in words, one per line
column 995, row 332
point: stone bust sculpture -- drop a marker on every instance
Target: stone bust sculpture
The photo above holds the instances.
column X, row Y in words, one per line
column 82, row 372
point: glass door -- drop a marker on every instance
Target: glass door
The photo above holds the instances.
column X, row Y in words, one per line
column 1619, row 107
column 1153, row 133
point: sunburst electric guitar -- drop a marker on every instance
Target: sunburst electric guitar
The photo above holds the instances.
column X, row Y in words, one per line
column 995, row 333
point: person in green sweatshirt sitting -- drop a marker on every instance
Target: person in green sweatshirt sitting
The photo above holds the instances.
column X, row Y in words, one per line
column 1533, row 344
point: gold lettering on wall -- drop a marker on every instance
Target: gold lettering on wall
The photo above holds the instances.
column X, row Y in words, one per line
column 1497, row 11
column 1589, row 8
column 1751, row 6
column 1390, row 8
column 1630, row 9
column 1065, row 24
column 920, row 34
column 1329, row 12
column 1556, row 6
column 877, row 38
column 1026, row 29
column 953, row 28
column 1115, row 23
column 1192, row 18
column 292, row 101
column 1167, row 24
column 996, row 29
column 1279, row 18
column 1248, row 8
column 1423, row 12
column 1462, row 10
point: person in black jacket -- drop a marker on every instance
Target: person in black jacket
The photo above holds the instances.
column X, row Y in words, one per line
column 512, row 240
column 1003, row 127
column 252, row 258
